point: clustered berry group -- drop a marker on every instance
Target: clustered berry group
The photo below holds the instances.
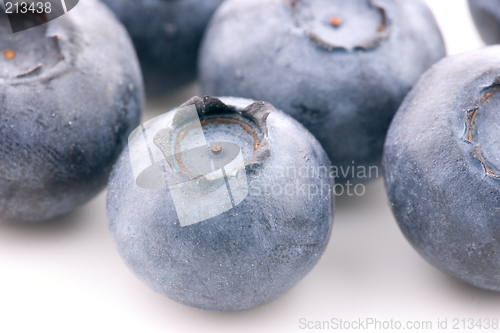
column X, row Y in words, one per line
column 225, row 203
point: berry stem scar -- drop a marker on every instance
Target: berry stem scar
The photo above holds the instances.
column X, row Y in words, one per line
column 216, row 149
column 336, row 21
column 9, row 54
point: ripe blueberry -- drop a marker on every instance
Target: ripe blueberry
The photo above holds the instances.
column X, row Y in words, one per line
column 70, row 93
column 341, row 68
column 166, row 35
column 253, row 252
column 442, row 169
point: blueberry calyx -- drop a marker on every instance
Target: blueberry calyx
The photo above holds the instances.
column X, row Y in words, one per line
column 478, row 125
column 306, row 17
column 256, row 113
column 34, row 54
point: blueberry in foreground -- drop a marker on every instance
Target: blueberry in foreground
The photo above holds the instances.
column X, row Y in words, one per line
column 486, row 16
column 341, row 68
column 250, row 254
column 442, row 169
column 70, row 93
column 166, row 35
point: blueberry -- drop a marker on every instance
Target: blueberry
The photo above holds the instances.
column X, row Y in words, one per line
column 486, row 16
column 188, row 241
column 341, row 68
column 70, row 93
column 166, row 35
column 442, row 169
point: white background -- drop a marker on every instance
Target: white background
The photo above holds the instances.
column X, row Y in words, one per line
column 66, row 276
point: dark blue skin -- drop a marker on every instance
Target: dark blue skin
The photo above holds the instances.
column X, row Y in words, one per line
column 442, row 170
column 243, row 258
column 343, row 83
column 64, row 123
column 166, row 35
column 486, row 16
